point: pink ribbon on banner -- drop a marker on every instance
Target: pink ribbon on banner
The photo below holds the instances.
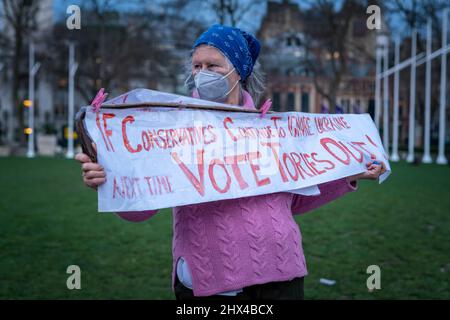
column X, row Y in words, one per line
column 265, row 107
column 99, row 99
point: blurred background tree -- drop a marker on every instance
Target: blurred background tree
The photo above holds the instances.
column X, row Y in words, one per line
column 20, row 17
column 314, row 52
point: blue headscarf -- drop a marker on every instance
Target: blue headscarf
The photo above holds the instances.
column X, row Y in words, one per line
column 240, row 47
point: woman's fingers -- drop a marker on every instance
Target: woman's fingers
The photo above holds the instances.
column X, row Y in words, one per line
column 380, row 166
column 383, row 168
column 91, row 166
column 94, row 174
column 82, row 157
column 98, row 181
column 374, row 170
column 94, row 183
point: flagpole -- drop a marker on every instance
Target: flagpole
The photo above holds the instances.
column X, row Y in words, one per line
column 378, row 54
column 412, row 98
column 394, row 156
column 441, row 159
column 426, row 156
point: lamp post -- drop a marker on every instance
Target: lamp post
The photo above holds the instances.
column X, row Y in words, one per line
column 33, row 69
column 73, row 66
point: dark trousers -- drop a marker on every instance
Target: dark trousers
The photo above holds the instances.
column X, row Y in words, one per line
column 284, row 290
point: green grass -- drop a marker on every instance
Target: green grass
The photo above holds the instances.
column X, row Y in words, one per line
column 48, row 221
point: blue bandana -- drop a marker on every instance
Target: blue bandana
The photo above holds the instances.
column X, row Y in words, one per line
column 241, row 48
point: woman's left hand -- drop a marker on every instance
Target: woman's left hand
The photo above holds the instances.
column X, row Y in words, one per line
column 372, row 173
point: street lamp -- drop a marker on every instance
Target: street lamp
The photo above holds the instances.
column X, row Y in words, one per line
column 73, row 66
column 33, row 69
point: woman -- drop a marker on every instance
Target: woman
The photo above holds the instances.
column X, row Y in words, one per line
column 247, row 248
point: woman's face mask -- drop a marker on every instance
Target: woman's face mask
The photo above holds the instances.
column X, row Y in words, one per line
column 213, row 86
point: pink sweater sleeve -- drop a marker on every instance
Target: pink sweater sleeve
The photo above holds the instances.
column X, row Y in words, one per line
column 328, row 192
column 137, row 216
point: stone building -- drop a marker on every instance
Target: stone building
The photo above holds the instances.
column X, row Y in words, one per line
column 290, row 85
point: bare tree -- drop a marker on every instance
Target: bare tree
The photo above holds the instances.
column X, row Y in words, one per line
column 415, row 13
column 19, row 16
column 328, row 44
column 113, row 47
column 230, row 12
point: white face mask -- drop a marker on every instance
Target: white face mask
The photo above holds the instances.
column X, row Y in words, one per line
column 213, row 86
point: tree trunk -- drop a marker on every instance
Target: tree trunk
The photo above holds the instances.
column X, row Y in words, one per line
column 17, row 106
column 332, row 97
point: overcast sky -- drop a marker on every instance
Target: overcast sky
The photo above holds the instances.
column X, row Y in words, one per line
column 199, row 10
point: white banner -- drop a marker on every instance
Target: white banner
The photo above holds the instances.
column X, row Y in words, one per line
column 159, row 157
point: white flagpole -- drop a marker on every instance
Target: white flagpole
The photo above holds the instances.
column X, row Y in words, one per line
column 412, row 99
column 378, row 53
column 73, row 66
column 386, row 100
column 441, row 159
column 1, row 69
column 426, row 155
column 394, row 156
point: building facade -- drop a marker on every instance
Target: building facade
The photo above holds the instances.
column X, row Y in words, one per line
column 291, row 85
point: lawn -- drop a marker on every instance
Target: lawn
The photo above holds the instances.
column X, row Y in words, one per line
column 48, row 221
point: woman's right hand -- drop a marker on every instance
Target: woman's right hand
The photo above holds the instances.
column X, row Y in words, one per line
column 93, row 173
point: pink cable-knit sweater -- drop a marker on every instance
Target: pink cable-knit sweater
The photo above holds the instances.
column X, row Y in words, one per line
column 232, row 244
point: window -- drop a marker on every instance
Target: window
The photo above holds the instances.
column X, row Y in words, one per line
column 305, row 102
column 276, row 101
column 290, row 101
column 371, row 108
column 289, row 43
column 345, row 104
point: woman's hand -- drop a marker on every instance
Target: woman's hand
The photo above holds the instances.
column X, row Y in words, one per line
column 372, row 173
column 93, row 173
